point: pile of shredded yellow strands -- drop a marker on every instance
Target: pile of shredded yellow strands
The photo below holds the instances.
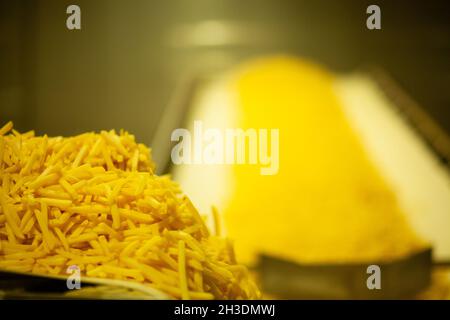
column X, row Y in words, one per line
column 93, row 201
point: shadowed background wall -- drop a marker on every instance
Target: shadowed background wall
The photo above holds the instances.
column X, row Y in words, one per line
column 120, row 70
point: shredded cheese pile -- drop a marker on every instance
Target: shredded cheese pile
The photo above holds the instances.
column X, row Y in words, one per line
column 93, row 201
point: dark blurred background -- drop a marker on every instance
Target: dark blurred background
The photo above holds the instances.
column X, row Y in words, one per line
column 121, row 68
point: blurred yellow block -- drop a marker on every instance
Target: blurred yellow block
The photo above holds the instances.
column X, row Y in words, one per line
column 328, row 202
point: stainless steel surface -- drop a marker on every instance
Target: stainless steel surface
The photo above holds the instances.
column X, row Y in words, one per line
column 403, row 278
column 18, row 285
